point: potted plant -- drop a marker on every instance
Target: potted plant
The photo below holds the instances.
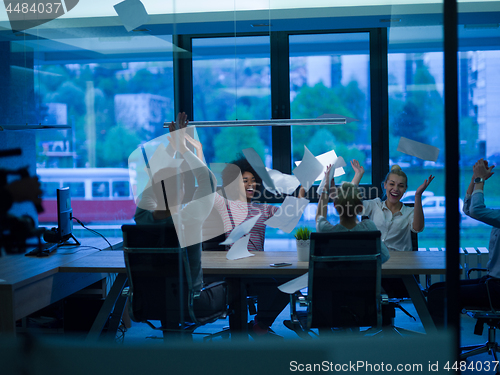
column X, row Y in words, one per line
column 303, row 237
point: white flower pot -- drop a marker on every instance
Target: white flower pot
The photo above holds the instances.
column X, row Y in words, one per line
column 303, row 249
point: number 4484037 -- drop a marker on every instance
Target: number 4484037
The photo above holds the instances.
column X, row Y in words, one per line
column 35, row 8
column 471, row 366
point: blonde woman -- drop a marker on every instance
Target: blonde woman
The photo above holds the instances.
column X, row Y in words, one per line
column 395, row 220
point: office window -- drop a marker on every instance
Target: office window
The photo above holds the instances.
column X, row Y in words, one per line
column 77, row 189
column 330, row 75
column 100, row 189
column 111, row 93
column 121, row 189
column 231, row 81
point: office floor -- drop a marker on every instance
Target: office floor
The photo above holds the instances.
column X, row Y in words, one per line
column 141, row 333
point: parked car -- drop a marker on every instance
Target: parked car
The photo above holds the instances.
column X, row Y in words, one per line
column 409, row 196
column 434, row 207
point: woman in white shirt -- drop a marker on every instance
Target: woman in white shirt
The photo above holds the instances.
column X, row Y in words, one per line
column 394, row 220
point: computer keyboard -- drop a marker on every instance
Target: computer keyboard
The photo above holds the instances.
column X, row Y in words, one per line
column 47, row 248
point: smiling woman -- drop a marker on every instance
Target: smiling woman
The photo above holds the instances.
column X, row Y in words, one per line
column 395, row 220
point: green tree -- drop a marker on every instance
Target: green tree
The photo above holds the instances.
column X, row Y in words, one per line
column 231, row 140
column 117, row 146
column 312, row 102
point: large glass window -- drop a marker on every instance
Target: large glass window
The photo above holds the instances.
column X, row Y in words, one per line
column 110, row 94
column 330, row 77
column 231, row 81
column 416, row 112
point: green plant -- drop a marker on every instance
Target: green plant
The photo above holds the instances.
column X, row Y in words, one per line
column 303, row 233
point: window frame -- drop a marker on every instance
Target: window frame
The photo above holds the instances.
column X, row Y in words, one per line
column 280, row 95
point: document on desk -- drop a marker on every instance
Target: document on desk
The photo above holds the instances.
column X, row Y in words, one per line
column 241, row 230
column 239, row 249
column 296, row 284
column 289, row 214
column 308, row 170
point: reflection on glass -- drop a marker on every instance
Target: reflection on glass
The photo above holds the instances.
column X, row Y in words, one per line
column 329, row 74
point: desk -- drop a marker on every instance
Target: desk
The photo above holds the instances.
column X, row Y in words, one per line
column 401, row 264
column 28, row 284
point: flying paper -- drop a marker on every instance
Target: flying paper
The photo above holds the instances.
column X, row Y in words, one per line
column 296, row 284
column 239, row 249
column 328, row 158
column 418, row 149
column 256, row 162
column 241, row 230
column 308, row 170
column 339, row 163
column 289, row 214
column 284, row 183
column 132, row 13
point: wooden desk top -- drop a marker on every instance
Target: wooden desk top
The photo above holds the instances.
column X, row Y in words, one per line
column 215, row 263
column 18, row 269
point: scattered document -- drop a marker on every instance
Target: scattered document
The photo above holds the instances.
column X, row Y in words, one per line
column 256, row 162
column 132, row 13
column 239, row 249
column 289, row 214
column 418, row 149
column 241, row 230
column 339, row 164
column 308, row 170
column 284, row 183
column 296, row 284
column 328, row 158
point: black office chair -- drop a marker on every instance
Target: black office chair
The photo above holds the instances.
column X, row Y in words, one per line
column 344, row 283
column 489, row 316
column 160, row 282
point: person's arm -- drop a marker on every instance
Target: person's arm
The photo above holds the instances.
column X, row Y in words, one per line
column 418, row 212
column 325, row 195
column 196, row 144
column 481, row 172
column 478, row 209
column 359, row 171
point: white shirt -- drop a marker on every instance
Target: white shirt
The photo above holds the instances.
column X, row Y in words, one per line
column 395, row 228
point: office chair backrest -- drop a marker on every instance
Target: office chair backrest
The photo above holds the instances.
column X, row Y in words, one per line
column 344, row 280
column 155, row 266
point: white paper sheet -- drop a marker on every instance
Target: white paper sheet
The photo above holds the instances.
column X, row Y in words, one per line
column 326, row 159
column 241, row 230
column 339, row 163
column 239, row 249
column 284, row 183
column 256, row 162
column 418, row 149
column 161, row 160
column 308, row 170
column 289, row 214
column 296, row 284
column 132, row 13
